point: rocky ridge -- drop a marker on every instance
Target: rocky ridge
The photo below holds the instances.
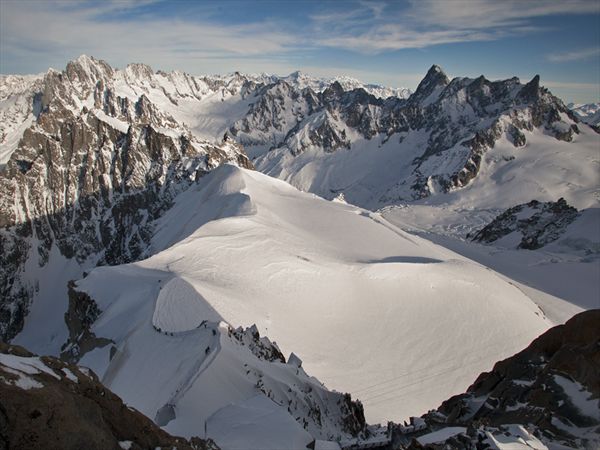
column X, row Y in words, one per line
column 445, row 127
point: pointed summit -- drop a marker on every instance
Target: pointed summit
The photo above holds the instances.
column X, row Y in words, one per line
column 531, row 91
column 138, row 71
column 88, row 69
column 333, row 91
column 434, row 79
column 296, row 75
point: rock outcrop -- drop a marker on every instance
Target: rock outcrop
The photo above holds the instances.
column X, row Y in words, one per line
column 534, row 224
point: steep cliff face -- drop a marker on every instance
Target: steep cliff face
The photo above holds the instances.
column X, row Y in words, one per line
column 89, row 176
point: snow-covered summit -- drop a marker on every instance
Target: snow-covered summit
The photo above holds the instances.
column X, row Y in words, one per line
column 362, row 286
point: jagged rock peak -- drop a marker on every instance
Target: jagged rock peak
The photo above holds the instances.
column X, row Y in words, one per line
column 531, row 90
column 434, row 78
column 87, row 68
column 334, row 90
column 436, row 73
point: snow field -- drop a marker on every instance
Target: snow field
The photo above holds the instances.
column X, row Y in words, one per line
column 334, row 283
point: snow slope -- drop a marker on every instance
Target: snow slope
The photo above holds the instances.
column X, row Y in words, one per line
column 395, row 320
column 545, row 169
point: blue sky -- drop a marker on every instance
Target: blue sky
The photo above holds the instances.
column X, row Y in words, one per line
column 386, row 42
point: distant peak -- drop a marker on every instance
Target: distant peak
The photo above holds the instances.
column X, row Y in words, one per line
column 435, row 72
column 139, row 69
column 84, row 58
column 531, row 91
column 435, row 69
column 535, row 81
column 434, row 78
column 88, row 67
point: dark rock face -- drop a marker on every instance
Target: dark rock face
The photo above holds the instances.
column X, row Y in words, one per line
column 435, row 79
column 551, row 388
column 60, row 406
column 82, row 313
column 89, row 186
column 262, row 348
column 354, row 416
column 537, row 223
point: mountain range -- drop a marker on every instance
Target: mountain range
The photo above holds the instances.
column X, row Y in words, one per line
column 165, row 230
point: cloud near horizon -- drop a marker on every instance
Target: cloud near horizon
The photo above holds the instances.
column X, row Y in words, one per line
column 574, row 55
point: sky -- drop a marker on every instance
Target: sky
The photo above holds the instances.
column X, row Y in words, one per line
column 385, row 42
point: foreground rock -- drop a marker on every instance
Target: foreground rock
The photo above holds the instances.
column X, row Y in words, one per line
column 47, row 404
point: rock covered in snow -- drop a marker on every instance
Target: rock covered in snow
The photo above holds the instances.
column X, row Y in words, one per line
column 437, row 138
column 532, row 225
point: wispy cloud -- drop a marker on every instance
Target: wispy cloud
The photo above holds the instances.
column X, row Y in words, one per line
column 47, row 29
column 574, row 55
column 568, row 85
column 484, row 14
column 424, row 23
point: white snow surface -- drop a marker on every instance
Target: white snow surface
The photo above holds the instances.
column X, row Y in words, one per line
column 257, row 423
column 332, row 282
column 440, row 435
column 516, row 438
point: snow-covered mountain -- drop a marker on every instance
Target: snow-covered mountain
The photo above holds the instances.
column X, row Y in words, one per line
column 447, row 135
column 588, row 112
column 87, row 178
column 300, row 81
column 92, row 154
column 333, row 283
column 137, row 240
